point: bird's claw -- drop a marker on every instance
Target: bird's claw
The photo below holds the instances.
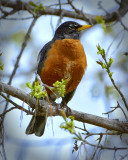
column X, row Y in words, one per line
column 63, row 105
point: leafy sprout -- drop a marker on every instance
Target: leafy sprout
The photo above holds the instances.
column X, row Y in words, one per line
column 107, row 63
column 68, row 124
column 37, row 6
column 36, row 90
column 60, row 87
column 1, row 64
column 101, row 21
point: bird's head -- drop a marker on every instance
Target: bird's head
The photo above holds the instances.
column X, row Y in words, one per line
column 70, row 30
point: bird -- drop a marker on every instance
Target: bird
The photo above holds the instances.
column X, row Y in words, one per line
column 61, row 58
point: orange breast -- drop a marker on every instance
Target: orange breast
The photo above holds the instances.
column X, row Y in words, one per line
column 66, row 59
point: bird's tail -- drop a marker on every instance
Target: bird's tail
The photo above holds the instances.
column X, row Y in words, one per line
column 37, row 125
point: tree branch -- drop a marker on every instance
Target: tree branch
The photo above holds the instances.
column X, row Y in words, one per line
column 16, row 106
column 109, row 124
column 21, row 5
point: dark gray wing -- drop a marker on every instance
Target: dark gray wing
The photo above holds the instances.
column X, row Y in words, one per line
column 42, row 56
column 68, row 97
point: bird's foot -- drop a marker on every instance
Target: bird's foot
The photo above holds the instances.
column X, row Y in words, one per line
column 64, row 105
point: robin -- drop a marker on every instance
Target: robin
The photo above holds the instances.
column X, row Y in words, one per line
column 61, row 58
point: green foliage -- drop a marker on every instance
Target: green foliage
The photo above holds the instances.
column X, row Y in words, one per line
column 60, row 87
column 1, row 64
column 110, row 74
column 68, row 124
column 107, row 63
column 110, row 62
column 37, row 6
column 36, row 90
column 100, row 20
column 100, row 51
column 101, row 63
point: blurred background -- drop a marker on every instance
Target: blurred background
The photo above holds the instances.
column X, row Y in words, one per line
column 94, row 95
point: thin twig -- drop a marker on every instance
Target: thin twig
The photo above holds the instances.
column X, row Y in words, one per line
column 73, row 7
column 111, row 110
column 99, row 146
column 17, row 63
column 57, row 4
column 120, row 20
column 119, row 43
column 12, row 108
column 113, row 41
column 7, row 13
column 22, row 18
column 16, row 106
column 118, row 2
column 113, row 82
column 21, row 73
column 121, row 94
column 52, row 27
column 101, row 7
column 123, row 157
column 99, row 133
column 20, row 55
column 126, row 117
column 21, row 51
column 107, row 148
column 2, row 142
column 80, row 12
column 61, row 14
column 100, row 138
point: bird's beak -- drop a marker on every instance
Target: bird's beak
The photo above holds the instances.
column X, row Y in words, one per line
column 84, row 27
